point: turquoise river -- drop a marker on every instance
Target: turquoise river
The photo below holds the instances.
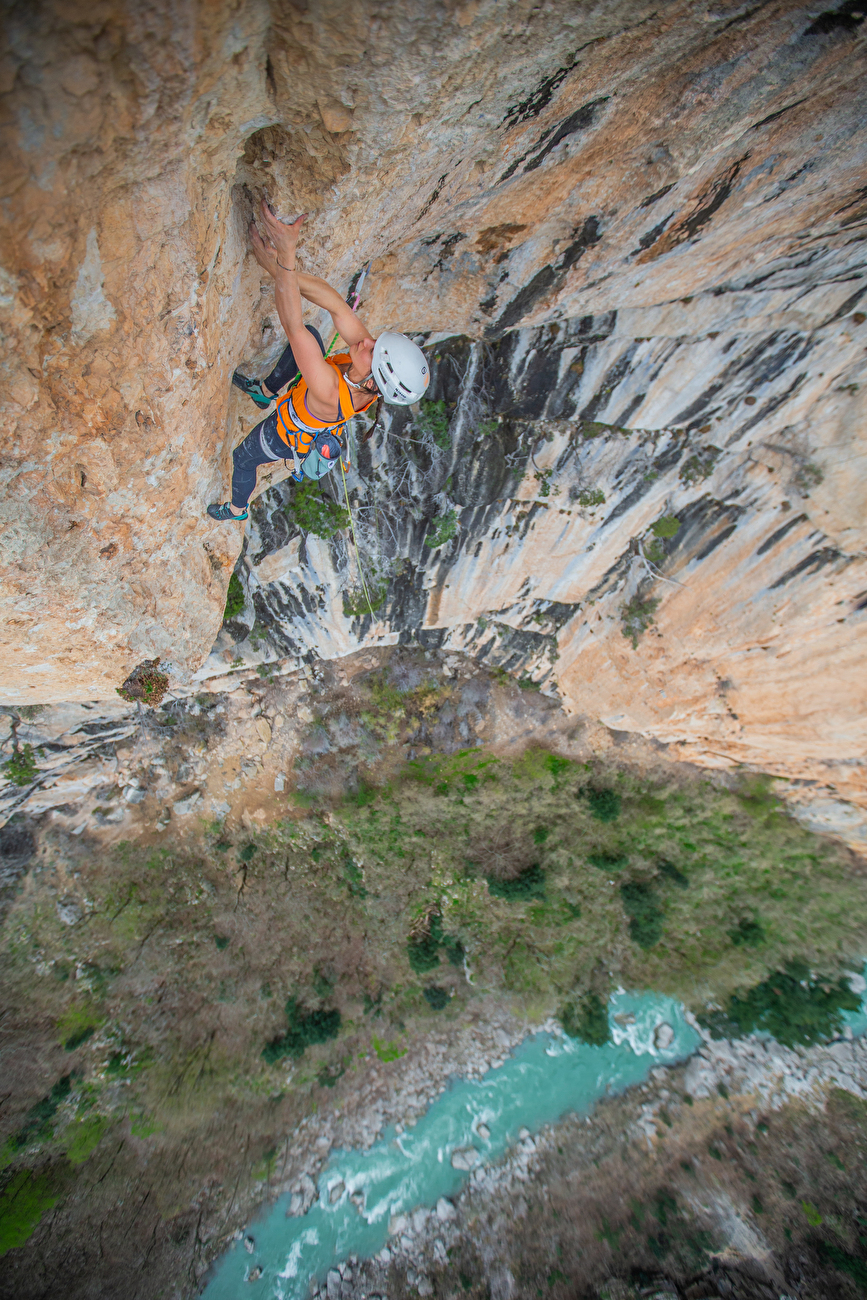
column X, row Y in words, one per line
column 546, row 1077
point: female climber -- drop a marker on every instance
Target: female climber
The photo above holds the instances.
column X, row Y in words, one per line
column 310, row 420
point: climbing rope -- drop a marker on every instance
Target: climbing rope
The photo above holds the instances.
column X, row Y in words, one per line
column 355, row 542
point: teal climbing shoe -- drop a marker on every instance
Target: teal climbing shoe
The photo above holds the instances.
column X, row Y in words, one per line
column 253, row 389
column 224, row 512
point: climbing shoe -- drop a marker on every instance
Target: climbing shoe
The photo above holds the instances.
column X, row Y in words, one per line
column 253, row 389
column 224, row 512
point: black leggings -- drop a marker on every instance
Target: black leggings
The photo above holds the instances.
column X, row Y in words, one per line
column 249, row 455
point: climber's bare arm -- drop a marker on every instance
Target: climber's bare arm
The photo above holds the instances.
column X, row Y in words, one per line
column 320, row 292
column 276, row 254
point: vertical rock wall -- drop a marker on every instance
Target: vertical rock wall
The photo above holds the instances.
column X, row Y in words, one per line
column 649, row 223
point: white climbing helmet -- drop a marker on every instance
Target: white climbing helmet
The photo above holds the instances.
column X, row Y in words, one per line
column 400, row 369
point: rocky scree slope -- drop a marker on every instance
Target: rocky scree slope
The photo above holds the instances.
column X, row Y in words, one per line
column 651, row 220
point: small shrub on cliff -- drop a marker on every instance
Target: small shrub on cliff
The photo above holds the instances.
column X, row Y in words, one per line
column 423, row 949
column 530, row 883
column 605, row 805
column 356, row 603
column 645, row 914
column 436, row 997
column 443, row 530
column 666, row 526
column 637, row 616
column 748, row 933
column 591, row 497
column 305, row 1028
column 21, row 768
column 699, row 466
column 234, row 599
column 315, row 513
column 607, row 861
column 145, row 684
column 586, row 1020
column 434, row 422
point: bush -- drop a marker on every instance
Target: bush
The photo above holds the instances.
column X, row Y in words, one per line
column 790, row 1005
column 235, row 598
column 607, row 861
column 589, row 498
column 305, row 1028
column 748, row 933
column 434, row 421
column 667, row 526
column 38, row 1119
column 645, row 914
column 453, row 949
column 356, row 603
column 637, row 616
column 674, row 874
column 21, row 768
column 436, row 997
column 586, row 1020
column 315, row 513
column 423, row 949
column 145, row 684
column 25, row 1198
column 604, row 804
column 529, row 884
column 443, row 531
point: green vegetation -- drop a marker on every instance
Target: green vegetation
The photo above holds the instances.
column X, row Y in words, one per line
column 356, row 604
column 388, row 1052
column 637, row 616
column 83, row 1137
column 699, row 466
column 234, row 599
column 673, row 873
column 21, row 768
column 791, row 1005
column 38, row 1121
column 808, row 476
column 590, row 497
column 607, row 861
column 749, row 932
column 436, row 997
column 605, row 805
column 443, row 530
column 434, row 422
column 26, row 1197
column 586, row 1019
column 76, row 1026
column 486, row 877
column 423, row 947
column 315, row 513
column 305, row 1028
column 529, row 883
column 844, row 1261
column 666, row 526
column 145, row 684
column 641, row 905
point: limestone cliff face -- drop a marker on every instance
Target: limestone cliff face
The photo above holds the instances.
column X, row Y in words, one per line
column 634, row 239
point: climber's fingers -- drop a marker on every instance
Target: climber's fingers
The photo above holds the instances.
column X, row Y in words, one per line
column 263, row 253
column 283, row 236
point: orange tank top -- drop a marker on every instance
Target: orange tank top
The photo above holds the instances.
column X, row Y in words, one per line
column 296, row 423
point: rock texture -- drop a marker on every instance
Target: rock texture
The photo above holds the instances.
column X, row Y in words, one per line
column 642, row 233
